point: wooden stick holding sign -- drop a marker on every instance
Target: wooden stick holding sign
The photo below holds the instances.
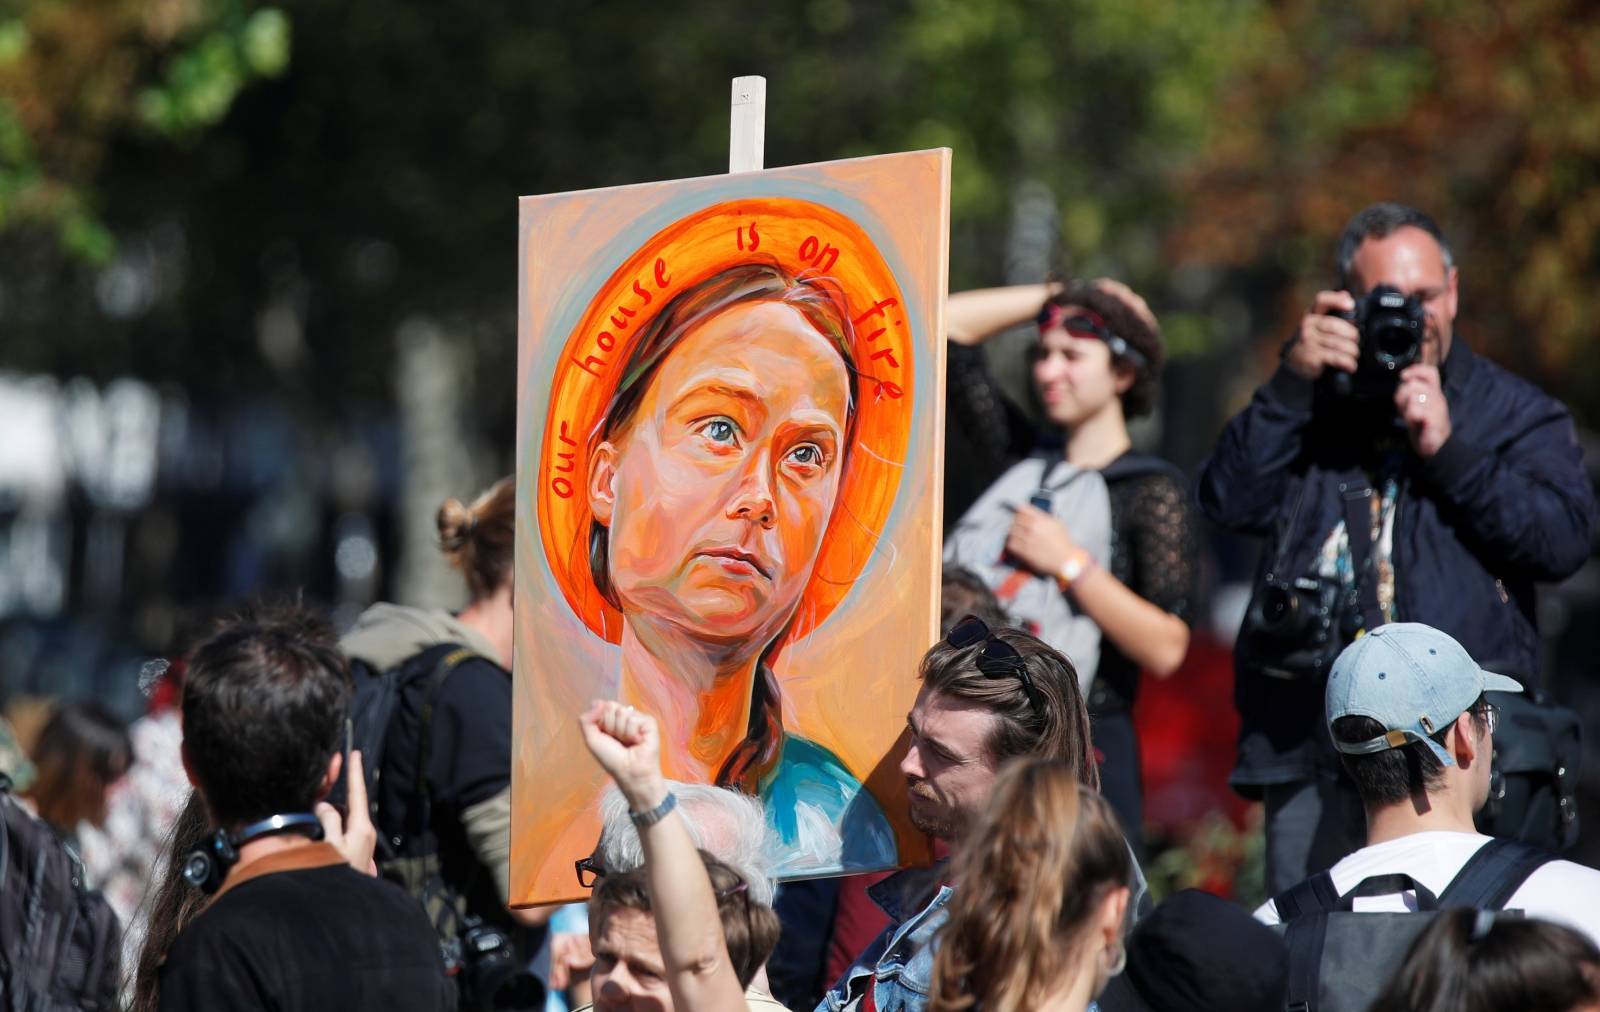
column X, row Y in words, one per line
column 747, row 125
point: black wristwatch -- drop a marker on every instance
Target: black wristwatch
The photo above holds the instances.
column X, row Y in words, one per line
column 641, row 820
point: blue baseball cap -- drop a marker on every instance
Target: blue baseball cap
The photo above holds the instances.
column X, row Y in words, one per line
column 1412, row 679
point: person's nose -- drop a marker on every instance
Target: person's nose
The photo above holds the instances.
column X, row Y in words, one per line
column 911, row 765
column 1051, row 368
column 753, row 500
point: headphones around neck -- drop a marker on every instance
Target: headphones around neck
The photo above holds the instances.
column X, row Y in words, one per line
column 206, row 868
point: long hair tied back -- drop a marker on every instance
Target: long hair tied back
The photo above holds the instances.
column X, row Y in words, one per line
column 480, row 539
column 1032, row 871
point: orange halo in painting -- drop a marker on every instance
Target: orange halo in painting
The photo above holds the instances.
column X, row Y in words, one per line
column 801, row 237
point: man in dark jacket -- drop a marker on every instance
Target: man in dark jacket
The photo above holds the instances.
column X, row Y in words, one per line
column 1439, row 491
column 292, row 925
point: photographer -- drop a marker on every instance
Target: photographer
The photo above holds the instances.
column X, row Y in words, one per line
column 1396, row 476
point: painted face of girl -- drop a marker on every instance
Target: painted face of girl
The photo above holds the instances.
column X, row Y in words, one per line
column 717, row 495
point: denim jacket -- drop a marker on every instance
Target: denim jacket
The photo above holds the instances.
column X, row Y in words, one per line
column 898, row 965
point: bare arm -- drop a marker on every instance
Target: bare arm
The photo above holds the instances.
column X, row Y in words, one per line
column 688, row 926
column 1156, row 640
column 973, row 317
column 1146, row 621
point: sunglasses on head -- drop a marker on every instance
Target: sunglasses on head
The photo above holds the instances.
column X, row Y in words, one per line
column 1083, row 325
column 997, row 659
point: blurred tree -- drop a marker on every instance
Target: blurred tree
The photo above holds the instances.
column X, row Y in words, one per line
column 1486, row 116
column 74, row 74
column 373, row 183
column 1207, row 151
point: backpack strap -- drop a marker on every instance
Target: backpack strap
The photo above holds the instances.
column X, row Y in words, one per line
column 1388, row 885
column 1493, row 875
column 1304, row 939
column 444, row 660
column 1138, row 465
column 1358, row 498
column 441, row 662
column 1315, row 895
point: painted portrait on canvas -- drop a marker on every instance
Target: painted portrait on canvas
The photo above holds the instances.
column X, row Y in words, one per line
column 728, row 492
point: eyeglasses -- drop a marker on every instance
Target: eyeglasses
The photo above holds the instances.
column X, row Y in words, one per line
column 1491, row 716
column 997, row 659
column 589, row 871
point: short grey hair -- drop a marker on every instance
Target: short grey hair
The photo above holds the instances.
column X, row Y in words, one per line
column 1379, row 222
column 729, row 825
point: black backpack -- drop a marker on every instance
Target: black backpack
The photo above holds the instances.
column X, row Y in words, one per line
column 376, row 700
column 1340, row 960
column 60, row 944
column 1533, row 780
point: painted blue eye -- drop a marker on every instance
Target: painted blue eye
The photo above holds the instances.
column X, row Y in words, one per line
column 806, row 455
column 720, row 430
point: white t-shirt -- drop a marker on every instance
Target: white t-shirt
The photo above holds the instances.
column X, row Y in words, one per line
column 1559, row 891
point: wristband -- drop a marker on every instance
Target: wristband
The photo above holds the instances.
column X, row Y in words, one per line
column 1075, row 566
column 643, row 820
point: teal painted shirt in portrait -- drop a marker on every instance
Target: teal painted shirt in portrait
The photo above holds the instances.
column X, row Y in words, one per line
column 825, row 821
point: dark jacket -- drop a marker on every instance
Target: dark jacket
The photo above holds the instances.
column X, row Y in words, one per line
column 1503, row 504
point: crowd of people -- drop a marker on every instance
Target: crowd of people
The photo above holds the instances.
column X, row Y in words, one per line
column 309, row 822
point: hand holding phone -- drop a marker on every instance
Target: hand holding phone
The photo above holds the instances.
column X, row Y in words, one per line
column 352, row 831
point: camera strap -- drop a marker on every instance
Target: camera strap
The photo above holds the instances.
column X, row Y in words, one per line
column 1358, row 496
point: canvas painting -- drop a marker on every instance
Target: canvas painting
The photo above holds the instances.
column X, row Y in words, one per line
column 730, row 397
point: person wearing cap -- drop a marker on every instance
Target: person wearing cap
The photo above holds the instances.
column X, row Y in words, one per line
column 1442, row 494
column 1408, row 717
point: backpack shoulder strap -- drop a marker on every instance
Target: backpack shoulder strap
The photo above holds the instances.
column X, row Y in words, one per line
column 1304, row 938
column 440, row 662
column 1315, row 895
column 1493, row 875
column 1137, row 465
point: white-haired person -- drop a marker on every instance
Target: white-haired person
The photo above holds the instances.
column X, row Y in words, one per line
column 666, row 945
column 729, row 825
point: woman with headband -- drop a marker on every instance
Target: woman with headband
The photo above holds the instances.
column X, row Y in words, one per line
column 1086, row 542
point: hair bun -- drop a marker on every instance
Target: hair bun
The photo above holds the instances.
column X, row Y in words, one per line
column 455, row 525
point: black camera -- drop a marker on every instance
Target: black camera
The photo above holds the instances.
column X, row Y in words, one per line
column 492, row 974
column 1392, row 327
column 1296, row 628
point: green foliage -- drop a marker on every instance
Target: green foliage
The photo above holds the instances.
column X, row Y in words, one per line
column 1486, row 116
column 78, row 76
column 201, row 82
column 1205, row 151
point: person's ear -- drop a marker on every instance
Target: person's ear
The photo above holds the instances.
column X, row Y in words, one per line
column 1113, row 911
column 1124, row 376
column 602, row 482
column 331, row 775
column 1466, row 748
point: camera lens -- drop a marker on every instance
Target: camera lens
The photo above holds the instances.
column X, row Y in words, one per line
column 1395, row 340
column 1279, row 606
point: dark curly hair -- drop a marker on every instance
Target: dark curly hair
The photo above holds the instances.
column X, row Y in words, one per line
column 1125, row 322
